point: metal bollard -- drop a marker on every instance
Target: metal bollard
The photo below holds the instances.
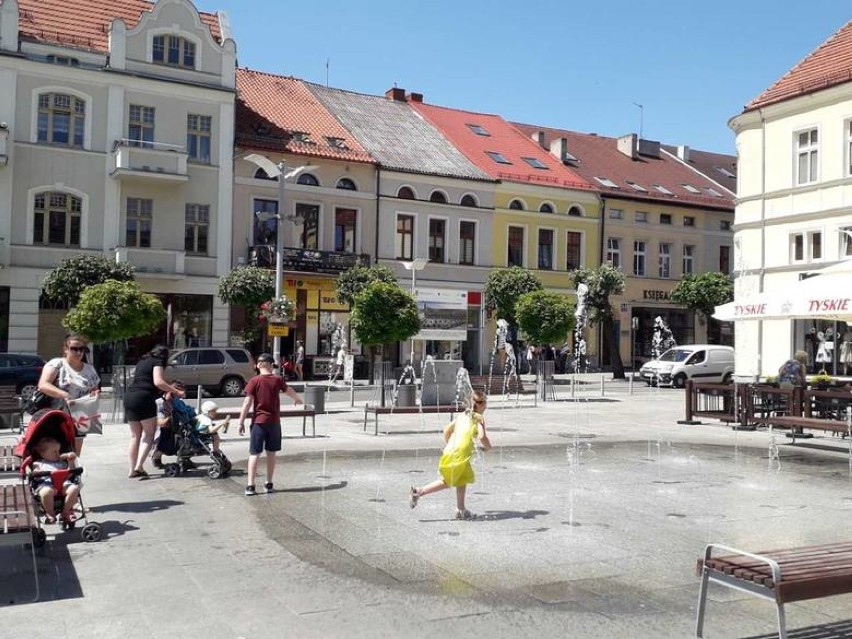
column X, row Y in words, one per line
column 602, row 385
column 198, row 400
column 572, row 386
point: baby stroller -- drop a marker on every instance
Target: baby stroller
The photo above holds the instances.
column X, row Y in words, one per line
column 188, row 442
column 61, row 427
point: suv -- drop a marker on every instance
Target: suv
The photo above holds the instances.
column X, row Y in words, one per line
column 701, row 362
column 21, row 371
column 221, row 371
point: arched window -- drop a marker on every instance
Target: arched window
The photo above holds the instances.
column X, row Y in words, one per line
column 308, row 180
column 406, row 193
column 438, row 196
column 468, row 200
column 56, row 218
column 575, row 211
column 516, row 205
column 61, row 119
column 260, row 174
column 346, row 184
column 546, row 208
column 174, row 51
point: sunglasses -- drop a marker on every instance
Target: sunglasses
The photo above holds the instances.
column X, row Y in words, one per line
column 78, row 349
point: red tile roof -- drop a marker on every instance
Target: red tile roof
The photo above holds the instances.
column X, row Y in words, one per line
column 272, row 110
column 84, row 24
column 829, row 65
column 504, row 139
column 598, row 157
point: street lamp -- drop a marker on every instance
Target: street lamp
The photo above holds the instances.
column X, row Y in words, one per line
column 417, row 264
column 280, row 172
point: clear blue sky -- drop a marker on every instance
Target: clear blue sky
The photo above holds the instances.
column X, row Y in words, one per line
column 575, row 64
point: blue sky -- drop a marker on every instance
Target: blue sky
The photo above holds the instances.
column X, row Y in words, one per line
column 563, row 63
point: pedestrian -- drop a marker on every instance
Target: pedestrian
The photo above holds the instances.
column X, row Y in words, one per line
column 530, row 357
column 300, row 360
column 140, row 406
column 166, row 442
column 69, row 378
column 792, row 372
column 262, row 393
column 455, row 463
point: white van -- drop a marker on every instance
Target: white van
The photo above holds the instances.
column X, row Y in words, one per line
column 701, row 362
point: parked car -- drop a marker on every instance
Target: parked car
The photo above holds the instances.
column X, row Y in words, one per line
column 701, row 362
column 220, row 371
column 22, row 371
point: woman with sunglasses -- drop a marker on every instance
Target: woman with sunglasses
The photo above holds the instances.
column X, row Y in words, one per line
column 70, row 377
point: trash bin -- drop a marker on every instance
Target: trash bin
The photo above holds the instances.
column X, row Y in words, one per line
column 315, row 396
column 406, row 395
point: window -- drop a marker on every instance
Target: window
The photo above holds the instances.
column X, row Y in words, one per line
column 725, row 225
column 575, row 211
column 797, row 247
column 344, row 230
column 301, row 136
column 515, row 255
column 140, row 215
column 725, row 259
column 546, row 208
column 64, row 61
column 336, row 143
column 637, row 187
column 61, row 119
column 405, row 237
column 265, row 230
column 545, row 249
column 309, row 214
column 815, row 242
column 197, row 228
column 613, row 251
column 639, row 258
column 499, row 158
column 140, row 130
column 467, row 242
column 536, row 163
column 468, row 200
column 438, row 197
column 405, row 193
column 174, row 51
column 198, row 129
column 346, row 184
column 605, row 181
column 713, row 192
column 437, row 240
column 307, row 179
column 688, row 259
column 806, row 246
column 688, row 220
column 691, row 189
column 665, row 218
column 807, row 156
column 479, row 130
column 665, row 260
column 516, row 205
column 845, row 236
column 662, row 189
column 573, row 248
column 57, row 219
column 641, row 216
column 616, row 214
column 849, row 147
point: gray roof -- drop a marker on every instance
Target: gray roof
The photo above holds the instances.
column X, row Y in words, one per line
column 396, row 135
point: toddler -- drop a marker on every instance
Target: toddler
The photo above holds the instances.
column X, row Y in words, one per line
column 49, row 459
column 205, row 423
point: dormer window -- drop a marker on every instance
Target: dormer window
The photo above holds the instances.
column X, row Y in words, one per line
column 479, row 130
column 335, row 143
column 174, row 51
column 302, row 136
column 499, row 158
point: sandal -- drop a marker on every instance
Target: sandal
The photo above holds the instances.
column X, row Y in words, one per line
column 69, row 519
column 49, row 519
column 414, row 497
column 138, row 474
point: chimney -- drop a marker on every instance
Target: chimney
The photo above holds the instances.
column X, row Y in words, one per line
column 649, row 148
column 559, row 148
column 396, row 94
column 627, row 145
column 415, row 97
column 538, row 138
column 683, row 152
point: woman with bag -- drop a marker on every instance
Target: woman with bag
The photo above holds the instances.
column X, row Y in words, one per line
column 69, row 378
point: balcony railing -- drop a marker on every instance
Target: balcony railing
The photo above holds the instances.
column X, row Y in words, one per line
column 149, row 161
column 306, row 260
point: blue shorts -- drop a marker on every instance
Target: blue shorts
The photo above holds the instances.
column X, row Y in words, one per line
column 265, row 436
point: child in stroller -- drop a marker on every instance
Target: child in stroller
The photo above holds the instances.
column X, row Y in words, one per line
column 196, row 435
column 50, row 467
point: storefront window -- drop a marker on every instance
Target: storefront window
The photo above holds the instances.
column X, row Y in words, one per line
column 827, row 343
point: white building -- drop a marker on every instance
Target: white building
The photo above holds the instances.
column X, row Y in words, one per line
column 794, row 143
column 117, row 139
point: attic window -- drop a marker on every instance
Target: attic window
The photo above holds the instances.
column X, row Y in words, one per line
column 725, row 172
column 570, row 159
column 607, row 182
column 662, row 189
column 637, row 187
column 536, row 163
column 302, row 136
column 499, row 158
column 691, row 188
column 713, row 192
column 63, row 60
column 335, row 143
column 174, row 51
column 479, row 130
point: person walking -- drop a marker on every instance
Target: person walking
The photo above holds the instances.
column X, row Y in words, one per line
column 262, row 393
column 300, row 360
column 455, row 463
column 140, row 406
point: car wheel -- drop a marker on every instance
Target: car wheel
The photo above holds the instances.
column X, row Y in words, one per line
column 26, row 391
column 679, row 381
column 727, row 379
column 232, row 387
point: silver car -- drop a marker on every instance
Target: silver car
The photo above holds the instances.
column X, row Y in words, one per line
column 220, row 371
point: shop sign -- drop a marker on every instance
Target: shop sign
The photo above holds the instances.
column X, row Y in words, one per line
column 278, row 330
column 320, row 261
column 657, row 296
column 329, row 302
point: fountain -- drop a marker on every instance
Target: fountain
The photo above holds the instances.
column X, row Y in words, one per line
column 463, row 388
column 581, row 320
column 662, row 338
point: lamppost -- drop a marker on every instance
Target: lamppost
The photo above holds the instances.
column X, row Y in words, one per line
column 417, row 264
column 280, row 172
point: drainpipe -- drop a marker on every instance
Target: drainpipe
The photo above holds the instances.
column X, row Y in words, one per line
column 762, row 272
column 601, row 254
column 378, row 203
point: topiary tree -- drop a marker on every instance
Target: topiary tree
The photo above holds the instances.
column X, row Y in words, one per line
column 703, row 293
column 603, row 281
column 248, row 287
column 545, row 317
column 66, row 283
column 504, row 288
column 354, row 280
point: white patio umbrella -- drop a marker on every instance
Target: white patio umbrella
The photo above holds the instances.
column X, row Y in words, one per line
column 827, row 295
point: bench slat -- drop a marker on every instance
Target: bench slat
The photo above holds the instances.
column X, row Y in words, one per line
column 16, row 509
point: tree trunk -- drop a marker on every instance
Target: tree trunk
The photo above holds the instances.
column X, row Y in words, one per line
column 614, row 354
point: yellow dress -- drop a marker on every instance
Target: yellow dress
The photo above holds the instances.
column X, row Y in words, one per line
column 455, row 466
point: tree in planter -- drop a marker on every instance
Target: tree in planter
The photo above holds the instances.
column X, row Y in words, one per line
column 503, row 288
column 602, row 282
column 66, row 283
column 545, row 317
column 703, row 293
column 248, row 287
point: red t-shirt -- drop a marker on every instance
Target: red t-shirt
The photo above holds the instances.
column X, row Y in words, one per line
column 264, row 390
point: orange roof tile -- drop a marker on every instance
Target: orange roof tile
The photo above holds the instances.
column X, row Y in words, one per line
column 85, row 25
column 829, row 65
column 273, row 110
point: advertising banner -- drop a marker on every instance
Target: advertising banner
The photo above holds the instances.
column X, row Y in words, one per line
column 443, row 314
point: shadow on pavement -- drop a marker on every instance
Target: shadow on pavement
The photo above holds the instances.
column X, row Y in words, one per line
column 136, row 506
column 57, row 577
column 314, row 489
column 837, row 630
column 498, row 515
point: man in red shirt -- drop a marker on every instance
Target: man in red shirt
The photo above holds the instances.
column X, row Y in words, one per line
column 262, row 391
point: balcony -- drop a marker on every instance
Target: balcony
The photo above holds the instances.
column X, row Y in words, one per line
column 306, row 260
column 149, row 162
column 158, row 263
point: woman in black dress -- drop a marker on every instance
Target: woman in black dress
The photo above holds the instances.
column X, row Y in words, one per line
column 140, row 406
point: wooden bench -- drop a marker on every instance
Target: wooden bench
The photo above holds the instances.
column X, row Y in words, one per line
column 10, row 407
column 304, row 413
column 797, row 422
column 402, row 410
column 18, row 524
column 782, row 576
column 9, row 463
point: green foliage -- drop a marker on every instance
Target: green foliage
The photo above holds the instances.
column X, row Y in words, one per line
column 504, row 288
column 115, row 311
column 703, row 293
column 356, row 279
column 603, row 281
column 74, row 275
column 247, row 286
column 546, row 318
column 384, row 313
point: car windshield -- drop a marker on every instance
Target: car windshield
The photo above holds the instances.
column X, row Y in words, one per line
column 674, row 355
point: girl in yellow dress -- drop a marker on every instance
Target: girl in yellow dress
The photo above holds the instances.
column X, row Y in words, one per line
column 455, row 465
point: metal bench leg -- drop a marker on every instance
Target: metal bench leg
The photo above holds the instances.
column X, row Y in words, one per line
column 377, row 424
column 313, row 425
column 304, row 424
column 702, row 603
column 365, row 419
column 782, row 622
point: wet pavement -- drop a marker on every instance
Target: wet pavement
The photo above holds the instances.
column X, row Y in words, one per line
column 591, row 517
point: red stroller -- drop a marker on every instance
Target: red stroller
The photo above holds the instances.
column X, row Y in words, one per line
column 61, row 427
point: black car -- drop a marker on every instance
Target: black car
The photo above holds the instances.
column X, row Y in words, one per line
column 21, row 371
